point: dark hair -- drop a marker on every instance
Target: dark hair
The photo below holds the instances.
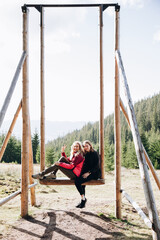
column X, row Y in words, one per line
column 89, row 143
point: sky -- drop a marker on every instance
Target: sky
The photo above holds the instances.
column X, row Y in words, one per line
column 72, row 56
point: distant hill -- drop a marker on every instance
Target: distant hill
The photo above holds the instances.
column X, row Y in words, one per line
column 59, row 133
column 148, row 118
column 53, row 129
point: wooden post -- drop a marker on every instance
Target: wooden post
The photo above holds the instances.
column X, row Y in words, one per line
column 117, row 127
column 156, row 178
column 42, row 163
column 101, row 124
column 11, row 89
column 25, row 116
column 150, row 201
column 10, row 131
column 31, row 181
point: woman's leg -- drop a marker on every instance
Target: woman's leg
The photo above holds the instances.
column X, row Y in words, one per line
column 79, row 181
column 78, row 184
column 62, row 159
column 81, row 189
column 44, row 172
column 49, row 170
column 68, row 172
column 84, row 186
column 54, row 168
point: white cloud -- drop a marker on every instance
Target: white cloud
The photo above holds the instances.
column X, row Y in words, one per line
column 110, row 11
column 60, row 41
column 132, row 3
column 64, row 18
column 137, row 3
column 58, row 46
column 75, row 34
column 156, row 36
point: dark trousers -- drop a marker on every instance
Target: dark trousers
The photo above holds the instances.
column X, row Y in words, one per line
column 54, row 168
column 79, row 181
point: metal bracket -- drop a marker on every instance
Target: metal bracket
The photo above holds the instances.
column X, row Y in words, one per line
column 101, row 11
column 117, row 8
column 24, row 8
column 39, row 8
column 104, row 7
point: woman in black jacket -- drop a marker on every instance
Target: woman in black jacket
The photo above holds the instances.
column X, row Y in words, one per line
column 90, row 170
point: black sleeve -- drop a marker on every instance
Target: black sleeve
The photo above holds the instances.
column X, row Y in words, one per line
column 95, row 162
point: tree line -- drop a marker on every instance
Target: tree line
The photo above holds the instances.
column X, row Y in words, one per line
column 148, row 118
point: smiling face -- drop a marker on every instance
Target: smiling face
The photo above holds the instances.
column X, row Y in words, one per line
column 76, row 147
column 87, row 147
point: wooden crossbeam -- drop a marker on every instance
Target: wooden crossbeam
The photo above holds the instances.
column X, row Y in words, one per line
column 138, row 209
column 13, row 195
column 67, row 181
column 5, row 142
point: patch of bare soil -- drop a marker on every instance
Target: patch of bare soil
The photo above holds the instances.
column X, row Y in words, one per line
column 59, row 224
column 56, row 217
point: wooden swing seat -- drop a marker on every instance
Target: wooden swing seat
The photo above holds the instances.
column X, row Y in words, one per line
column 67, row 181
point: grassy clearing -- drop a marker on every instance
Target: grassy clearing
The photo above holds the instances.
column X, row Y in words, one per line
column 64, row 198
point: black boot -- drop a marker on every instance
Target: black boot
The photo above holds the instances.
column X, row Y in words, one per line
column 83, row 203
column 78, row 205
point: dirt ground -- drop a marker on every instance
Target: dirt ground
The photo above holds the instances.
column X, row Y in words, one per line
column 55, row 216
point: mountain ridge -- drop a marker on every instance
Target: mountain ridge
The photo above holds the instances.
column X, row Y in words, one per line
column 54, row 129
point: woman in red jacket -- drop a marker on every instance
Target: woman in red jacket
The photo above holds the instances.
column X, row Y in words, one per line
column 70, row 166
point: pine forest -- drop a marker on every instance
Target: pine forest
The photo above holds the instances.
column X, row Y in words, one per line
column 148, row 119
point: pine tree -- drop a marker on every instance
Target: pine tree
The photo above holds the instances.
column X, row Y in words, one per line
column 109, row 155
column 38, row 155
column 123, row 153
column 131, row 157
column 35, row 144
column 156, row 165
column 154, row 153
column 144, row 141
column 13, row 151
column 50, row 156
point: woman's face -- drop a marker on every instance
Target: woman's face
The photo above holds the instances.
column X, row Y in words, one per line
column 76, row 148
column 87, row 147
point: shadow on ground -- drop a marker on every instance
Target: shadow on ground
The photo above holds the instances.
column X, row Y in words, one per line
column 75, row 225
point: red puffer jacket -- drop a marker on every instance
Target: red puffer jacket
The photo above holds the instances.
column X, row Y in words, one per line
column 76, row 163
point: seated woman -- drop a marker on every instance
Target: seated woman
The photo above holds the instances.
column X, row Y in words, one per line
column 71, row 166
column 90, row 170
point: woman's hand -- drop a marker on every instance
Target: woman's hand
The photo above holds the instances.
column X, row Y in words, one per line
column 63, row 148
column 57, row 163
column 85, row 175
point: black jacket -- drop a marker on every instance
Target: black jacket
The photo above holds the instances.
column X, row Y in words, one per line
column 92, row 164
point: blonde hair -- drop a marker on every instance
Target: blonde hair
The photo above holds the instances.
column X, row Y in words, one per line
column 90, row 144
column 80, row 151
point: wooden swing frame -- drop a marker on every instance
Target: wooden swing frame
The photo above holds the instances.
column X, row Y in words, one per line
column 25, row 102
column 27, row 155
